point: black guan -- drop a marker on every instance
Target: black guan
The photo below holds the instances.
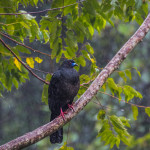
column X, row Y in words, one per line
column 64, row 86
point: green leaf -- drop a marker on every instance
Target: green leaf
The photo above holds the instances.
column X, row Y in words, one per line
column 145, row 8
column 71, row 40
column 112, row 142
column 59, row 55
column 135, row 112
column 128, row 74
column 90, row 48
column 138, row 18
column 25, row 25
column 69, row 9
column 117, row 122
column 48, row 77
column 8, row 80
column 105, row 126
column 70, row 51
column 56, row 47
column 122, row 75
column 147, row 111
column 107, row 135
column 101, row 115
column 46, row 36
column 15, row 82
column 84, row 78
column 125, row 121
column 112, row 85
column 131, row 93
column 124, row 140
column 118, row 12
column 81, row 60
column 45, row 94
column 119, row 91
column 138, row 72
column 86, row 54
column 22, row 49
column 88, row 6
column 91, row 30
column 39, row 36
column 35, row 2
column 10, row 29
column 117, row 142
column 26, row 16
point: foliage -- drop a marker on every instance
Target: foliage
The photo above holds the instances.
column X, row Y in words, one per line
column 113, row 130
column 67, row 28
column 45, row 90
column 126, row 90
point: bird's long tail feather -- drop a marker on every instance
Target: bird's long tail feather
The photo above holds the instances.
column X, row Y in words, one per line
column 56, row 137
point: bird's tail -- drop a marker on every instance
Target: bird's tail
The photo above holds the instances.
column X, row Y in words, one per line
column 56, row 137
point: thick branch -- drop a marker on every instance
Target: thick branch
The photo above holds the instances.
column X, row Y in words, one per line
column 49, row 128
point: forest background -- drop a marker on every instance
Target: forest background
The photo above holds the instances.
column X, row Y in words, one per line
column 90, row 32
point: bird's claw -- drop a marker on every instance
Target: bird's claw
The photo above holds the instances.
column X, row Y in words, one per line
column 71, row 106
column 62, row 114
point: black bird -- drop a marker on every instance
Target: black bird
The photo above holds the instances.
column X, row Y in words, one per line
column 64, row 86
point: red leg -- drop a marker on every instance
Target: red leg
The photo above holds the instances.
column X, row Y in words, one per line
column 71, row 106
column 62, row 113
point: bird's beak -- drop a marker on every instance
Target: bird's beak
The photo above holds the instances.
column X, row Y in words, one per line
column 74, row 64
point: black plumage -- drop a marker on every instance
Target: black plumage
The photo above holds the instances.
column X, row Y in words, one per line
column 64, row 86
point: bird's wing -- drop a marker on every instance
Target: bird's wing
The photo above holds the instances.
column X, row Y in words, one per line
column 54, row 84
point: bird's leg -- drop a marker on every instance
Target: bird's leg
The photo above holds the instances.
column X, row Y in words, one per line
column 71, row 106
column 62, row 113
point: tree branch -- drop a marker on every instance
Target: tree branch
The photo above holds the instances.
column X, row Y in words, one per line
column 49, row 128
column 24, row 45
column 42, row 11
column 23, row 62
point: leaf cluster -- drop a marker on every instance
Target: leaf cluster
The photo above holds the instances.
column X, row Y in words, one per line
column 113, row 129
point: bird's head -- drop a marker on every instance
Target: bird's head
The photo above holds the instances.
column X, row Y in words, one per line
column 69, row 63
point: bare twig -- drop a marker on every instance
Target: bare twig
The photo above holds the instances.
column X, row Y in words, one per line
column 41, row 71
column 49, row 128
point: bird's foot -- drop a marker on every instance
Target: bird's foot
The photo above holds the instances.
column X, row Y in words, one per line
column 71, row 106
column 62, row 114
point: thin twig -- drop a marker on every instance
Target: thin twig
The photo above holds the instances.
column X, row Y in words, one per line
column 124, row 100
column 121, row 99
column 42, row 11
column 41, row 71
column 23, row 63
column 24, row 45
